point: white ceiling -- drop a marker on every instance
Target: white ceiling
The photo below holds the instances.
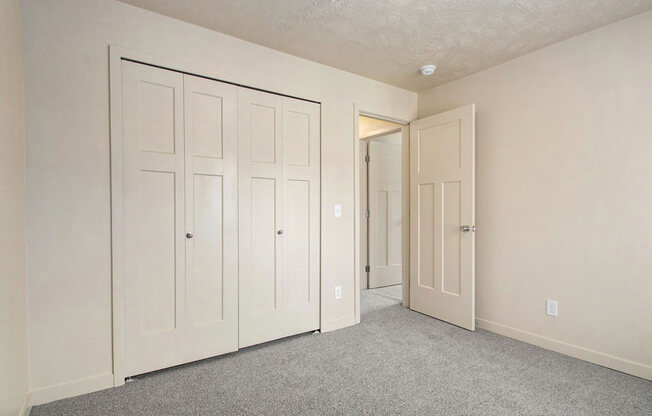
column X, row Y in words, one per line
column 388, row 40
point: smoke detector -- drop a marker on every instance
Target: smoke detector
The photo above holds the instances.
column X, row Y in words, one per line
column 428, row 69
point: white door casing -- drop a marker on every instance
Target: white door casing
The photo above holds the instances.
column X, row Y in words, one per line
column 278, row 216
column 385, row 200
column 442, row 201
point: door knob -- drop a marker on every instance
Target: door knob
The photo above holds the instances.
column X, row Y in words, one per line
column 465, row 228
column 188, row 235
column 279, row 232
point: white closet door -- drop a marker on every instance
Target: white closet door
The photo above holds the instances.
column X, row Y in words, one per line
column 301, row 220
column 180, row 176
column 279, row 216
column 211, row 216
column 260, row 174
column 154, row 240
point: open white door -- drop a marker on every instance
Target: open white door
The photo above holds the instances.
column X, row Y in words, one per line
column 442, row 207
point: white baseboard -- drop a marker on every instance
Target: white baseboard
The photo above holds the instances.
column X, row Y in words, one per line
column 27, row 406
column 74, row 388
column 338, row 324
column 586, row 354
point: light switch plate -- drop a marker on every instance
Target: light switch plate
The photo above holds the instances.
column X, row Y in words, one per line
column 338, row 210
column 338, row 292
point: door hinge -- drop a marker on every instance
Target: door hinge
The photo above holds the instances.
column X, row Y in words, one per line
column 367, row 269
column 367, row 213
column 366, row 158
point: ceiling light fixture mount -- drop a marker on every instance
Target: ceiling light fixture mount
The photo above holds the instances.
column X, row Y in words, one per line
column 428, row 69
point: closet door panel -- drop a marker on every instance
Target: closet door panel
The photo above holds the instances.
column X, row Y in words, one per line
column 260, row 217
column 205, row 287
column 153, row 218
column 301, row 210
column 298, row 242
column 211, row 217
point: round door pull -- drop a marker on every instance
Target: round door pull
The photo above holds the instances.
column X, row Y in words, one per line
column 279, row 232
column 188, row 235
column 465, row 228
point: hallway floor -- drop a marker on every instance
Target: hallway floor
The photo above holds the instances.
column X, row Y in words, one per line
column 395, row 362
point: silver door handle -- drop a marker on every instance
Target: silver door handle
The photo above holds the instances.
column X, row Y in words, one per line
column 188, row 235
column 465, row 228
column 279, row 232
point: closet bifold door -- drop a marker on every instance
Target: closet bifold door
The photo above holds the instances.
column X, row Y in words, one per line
column 154, row 240
column 211, row 176
column 180, row 216
column 279, row 210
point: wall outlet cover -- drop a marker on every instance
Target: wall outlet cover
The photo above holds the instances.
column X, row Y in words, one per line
column 551, row 307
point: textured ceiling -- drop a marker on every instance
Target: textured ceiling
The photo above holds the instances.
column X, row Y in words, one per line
column 388, row 40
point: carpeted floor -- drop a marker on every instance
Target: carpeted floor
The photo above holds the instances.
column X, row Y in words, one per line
column 395, row 362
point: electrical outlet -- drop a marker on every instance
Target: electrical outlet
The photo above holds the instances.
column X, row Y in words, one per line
column 338, row 292
column 338, row 211
column 551, row 307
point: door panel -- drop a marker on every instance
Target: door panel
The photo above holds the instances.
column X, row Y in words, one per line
column 157, row 245
column 206, row 119
column 279, row 216
column 301, row 212
column 153, row 218
column 180, row 146
column 211, row 216
column 263, row 132
column 260, row 216
column 298, row 242
column 205, row 288
column 442, row 182
column 385, row 205
column 263, row 244
column 157, row 113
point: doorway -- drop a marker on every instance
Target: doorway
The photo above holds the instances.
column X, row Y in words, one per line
column 381, row 203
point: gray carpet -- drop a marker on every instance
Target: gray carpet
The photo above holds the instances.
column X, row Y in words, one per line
column 395, row 362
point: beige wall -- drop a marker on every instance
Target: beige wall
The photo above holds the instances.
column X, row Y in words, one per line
column 564, row 193
column 68, row 205
column 13, row 297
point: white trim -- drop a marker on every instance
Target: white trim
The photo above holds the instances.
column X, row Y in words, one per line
column 27, row 405
column 576, row 351
column 74, row 388
column 356, row 215
column 382, row 132
column 117, row 225
column 382, row 117
column 338, row 323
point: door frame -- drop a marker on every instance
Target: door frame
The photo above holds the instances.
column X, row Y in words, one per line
column 116, row 56
column 364, row 201
column 360, row 243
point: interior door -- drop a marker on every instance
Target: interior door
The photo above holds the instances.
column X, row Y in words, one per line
column 180, row 216
column 211, row 187
column 154, row 240
column 278, row 216
column 385, row 219
column 442, row 207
